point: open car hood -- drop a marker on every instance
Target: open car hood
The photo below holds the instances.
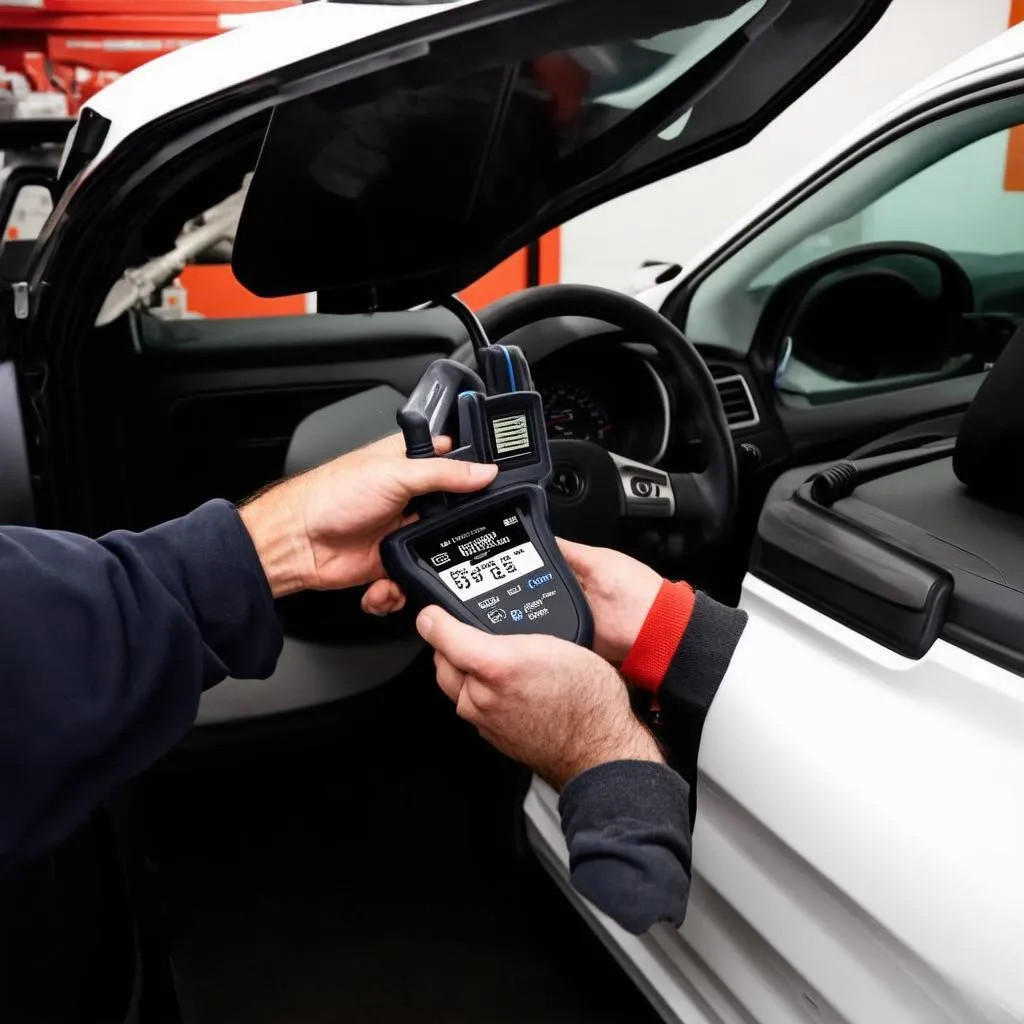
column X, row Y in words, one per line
column 430, row 141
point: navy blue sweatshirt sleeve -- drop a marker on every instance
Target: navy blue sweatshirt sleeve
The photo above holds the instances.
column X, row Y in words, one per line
column 628, row 828
column 105, row 649
column 627, row 823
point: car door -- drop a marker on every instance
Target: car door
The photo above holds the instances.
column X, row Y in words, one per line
column 29, row 155
column 816, row 849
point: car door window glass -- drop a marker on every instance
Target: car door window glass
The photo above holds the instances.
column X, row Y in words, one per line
column 959, row 204
column 946, row 185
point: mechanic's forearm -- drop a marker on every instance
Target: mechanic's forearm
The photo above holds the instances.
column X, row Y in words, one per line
column 627, row 827
column 107, row 646
column 273, row 522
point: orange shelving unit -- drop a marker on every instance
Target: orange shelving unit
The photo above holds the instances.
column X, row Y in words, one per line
column 78, row 46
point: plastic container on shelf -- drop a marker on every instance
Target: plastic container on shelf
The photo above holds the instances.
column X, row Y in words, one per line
column 138, row 8
column 86, row 44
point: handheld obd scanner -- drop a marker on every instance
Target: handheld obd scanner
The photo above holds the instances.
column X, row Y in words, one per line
column 489, row 558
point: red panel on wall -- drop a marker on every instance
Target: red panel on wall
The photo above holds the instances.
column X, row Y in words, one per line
column 507, row 277
column 551, row 257
column 1013, row 180
column 214, row 292
column 513, row 274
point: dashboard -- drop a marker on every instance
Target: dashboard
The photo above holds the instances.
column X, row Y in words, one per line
column 603, row 391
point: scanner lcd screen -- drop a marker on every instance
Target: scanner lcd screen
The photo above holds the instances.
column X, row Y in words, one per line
column 487, row 556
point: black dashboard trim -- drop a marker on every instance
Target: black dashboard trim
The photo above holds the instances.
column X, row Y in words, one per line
column 292, row 339
column 888, row 595
column 809, row 425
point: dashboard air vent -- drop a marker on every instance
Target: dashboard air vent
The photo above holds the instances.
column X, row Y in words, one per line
column 740, row 410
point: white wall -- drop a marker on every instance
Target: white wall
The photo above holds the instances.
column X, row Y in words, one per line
column 959, row 204
column 673, row 219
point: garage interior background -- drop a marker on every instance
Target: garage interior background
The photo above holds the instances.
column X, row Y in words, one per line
column 672, row 220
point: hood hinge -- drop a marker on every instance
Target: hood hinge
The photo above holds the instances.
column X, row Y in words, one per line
column 14, row 318
column 21, row 295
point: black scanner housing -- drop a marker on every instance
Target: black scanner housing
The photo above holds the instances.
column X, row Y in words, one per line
column 500, row 536
column 568, row 615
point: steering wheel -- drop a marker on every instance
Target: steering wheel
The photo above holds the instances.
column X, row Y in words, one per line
column 593, row 490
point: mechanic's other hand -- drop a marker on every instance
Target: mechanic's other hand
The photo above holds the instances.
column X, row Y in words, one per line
column 322, row 530
column 556, row 707
column 620, row 591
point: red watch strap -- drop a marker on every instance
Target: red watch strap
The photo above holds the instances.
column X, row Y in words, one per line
column 659, row 637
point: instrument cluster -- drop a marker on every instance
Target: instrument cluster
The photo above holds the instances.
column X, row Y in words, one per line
column 603, row 391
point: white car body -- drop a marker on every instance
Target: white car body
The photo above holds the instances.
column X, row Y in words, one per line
column 260, row 44
column 843, row 870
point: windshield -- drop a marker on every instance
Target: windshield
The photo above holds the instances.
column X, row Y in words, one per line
column 434, row 164
column 956, row 184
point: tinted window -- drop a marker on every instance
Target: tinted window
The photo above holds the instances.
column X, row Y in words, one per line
column 955, row 185
column 963, row 205
column 416, row 179
column 969, row 204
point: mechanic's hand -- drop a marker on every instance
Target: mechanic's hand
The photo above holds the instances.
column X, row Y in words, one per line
column 556, row 707
column 322, row 530
column 620, row 591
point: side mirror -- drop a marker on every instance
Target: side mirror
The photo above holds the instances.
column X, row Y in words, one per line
column 651, row 273
column 19, row 193
column 22, row 212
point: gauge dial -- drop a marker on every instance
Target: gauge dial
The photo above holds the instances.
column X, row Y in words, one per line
column 572, row 413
